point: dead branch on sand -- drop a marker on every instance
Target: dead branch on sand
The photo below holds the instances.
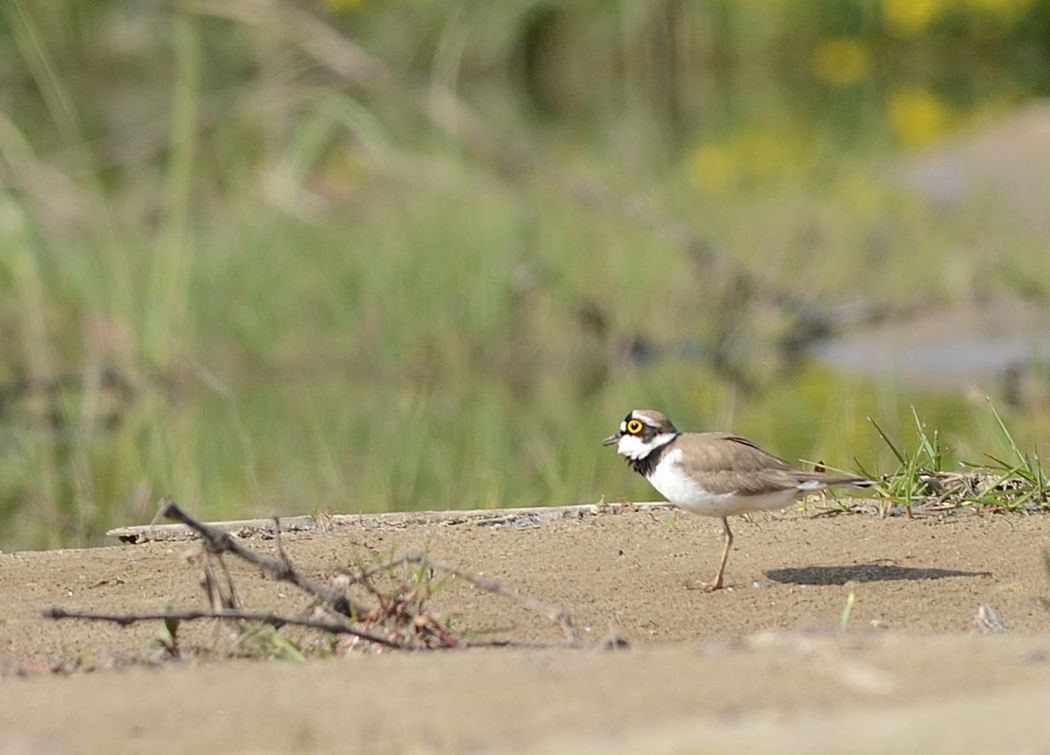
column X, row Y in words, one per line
column 398, row 619
column 239, row 614
column 218, row 541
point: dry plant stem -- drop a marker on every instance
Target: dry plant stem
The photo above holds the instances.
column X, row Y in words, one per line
column 216, row 597
column 287, row 563
column 220, row 541
column 552, row 612
column 555, row 614
column 217, row 542
column 264, row 617
column 352, row 63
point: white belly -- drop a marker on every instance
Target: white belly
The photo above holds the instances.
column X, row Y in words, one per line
column 680, row 489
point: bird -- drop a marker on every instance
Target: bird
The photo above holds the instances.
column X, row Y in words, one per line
column 714, row 473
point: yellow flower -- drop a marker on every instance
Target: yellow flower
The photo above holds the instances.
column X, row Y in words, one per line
column 840, row 61
column 909, row 17
column 917, row 116
column 712, row 168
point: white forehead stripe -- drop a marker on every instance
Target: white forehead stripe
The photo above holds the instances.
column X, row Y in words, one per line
column 646, row 420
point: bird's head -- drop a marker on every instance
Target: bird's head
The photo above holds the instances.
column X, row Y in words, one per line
column 641, row 432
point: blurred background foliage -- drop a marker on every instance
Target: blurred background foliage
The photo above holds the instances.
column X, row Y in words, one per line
column 280, row 257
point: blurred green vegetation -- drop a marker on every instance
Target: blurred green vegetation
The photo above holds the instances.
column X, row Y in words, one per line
column 274, row 257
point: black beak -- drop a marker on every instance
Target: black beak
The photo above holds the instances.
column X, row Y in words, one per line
column 612, row 440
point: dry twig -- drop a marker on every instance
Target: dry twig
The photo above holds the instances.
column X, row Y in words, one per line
column 239, row 614
column 401, row 614
column 220, row 541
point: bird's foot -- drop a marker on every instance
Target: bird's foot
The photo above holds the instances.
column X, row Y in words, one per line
column 699, row 584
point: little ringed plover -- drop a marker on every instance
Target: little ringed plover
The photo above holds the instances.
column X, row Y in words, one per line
column 714, row 474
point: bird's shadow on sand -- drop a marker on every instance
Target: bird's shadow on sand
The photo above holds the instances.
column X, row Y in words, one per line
column 840, row 575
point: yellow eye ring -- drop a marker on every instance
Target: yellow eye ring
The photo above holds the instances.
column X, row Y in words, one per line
column 634, row 426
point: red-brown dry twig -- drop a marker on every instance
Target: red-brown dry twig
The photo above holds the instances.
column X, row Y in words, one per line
column 552, row 612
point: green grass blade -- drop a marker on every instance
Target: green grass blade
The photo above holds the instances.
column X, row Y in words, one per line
column 1021, row 456
column 886, row 439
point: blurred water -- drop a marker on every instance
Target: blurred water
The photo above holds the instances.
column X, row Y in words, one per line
column 948, row 346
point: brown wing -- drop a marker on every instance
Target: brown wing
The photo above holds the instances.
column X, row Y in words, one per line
column 720, row 452
column 730, row 464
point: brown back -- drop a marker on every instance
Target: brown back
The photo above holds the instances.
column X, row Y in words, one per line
column 726, row 463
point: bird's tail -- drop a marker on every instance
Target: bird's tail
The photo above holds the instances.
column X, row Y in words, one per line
column 820, row 480
column 852, row 482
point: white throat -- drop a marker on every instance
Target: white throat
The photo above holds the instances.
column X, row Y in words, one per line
column 635, row 448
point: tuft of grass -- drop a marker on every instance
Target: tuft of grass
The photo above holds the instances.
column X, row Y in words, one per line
column 1015, row 481
column 910, row 482
column 1023, row 480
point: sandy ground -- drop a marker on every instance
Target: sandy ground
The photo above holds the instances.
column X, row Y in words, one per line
column 763, row 665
